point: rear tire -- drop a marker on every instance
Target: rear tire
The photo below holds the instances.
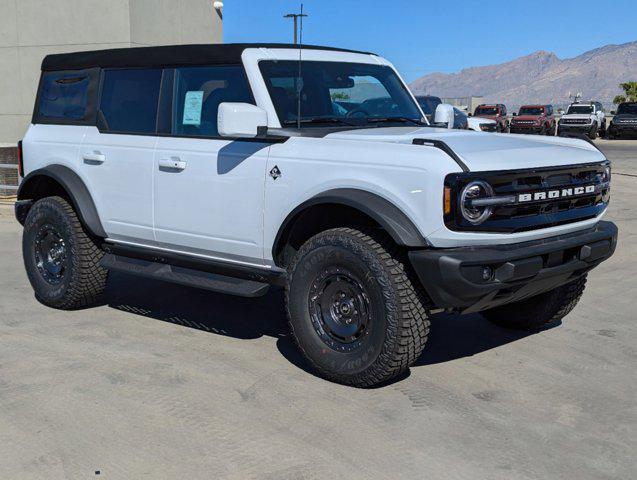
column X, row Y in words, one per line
column 60, row 258
column 353, row 310
column 538, row 311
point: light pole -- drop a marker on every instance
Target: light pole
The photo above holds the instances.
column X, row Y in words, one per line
column 296, row 17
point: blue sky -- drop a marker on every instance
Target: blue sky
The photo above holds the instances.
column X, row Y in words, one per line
column 424, row 36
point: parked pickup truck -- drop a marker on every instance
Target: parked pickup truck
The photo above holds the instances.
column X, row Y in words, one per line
column 624, row 123
column 538, row 119
column 219, row 167
column 585, row 118
column 496, row 112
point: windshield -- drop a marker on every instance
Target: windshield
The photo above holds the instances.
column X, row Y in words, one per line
column 338, row 93
column 428, row 104
column 531, row 111
column 580, row 109
column 627, row 108
column 486, row 111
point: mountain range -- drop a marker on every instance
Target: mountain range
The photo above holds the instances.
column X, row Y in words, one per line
column 540, row 77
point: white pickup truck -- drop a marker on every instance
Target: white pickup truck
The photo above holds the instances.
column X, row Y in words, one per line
column 236, row 167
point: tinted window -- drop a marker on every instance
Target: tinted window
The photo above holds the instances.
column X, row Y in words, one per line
column 531, row 111
column 198, row 93
column 64, row 95
column 129, row 100
column 486, row 111
column 627, row 109
column 429, row 104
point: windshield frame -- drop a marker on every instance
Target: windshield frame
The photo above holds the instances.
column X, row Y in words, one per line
column 370, row 121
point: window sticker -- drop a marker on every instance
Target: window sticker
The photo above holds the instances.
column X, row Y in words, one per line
column 192, row 108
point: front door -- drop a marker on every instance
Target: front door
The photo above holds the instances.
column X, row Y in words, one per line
column 209, row 191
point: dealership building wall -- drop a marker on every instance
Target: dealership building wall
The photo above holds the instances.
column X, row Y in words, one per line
column 31, row 29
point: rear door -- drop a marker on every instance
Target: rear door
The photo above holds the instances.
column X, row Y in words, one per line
column 209, row 191
column 117, row 155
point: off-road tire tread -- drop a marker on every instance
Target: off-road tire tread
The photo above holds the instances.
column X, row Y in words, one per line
column 407, row 331
column 89, row 281
column 544, row 309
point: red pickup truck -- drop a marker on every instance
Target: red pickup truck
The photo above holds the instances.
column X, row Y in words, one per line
column 497, row 112
column 538, row 119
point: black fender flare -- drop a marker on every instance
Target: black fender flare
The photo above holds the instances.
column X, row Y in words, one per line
column 74, row 187
column 386, row 214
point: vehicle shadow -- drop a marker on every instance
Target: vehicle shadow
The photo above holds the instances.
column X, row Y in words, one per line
column 451, row 336
column 454, row 336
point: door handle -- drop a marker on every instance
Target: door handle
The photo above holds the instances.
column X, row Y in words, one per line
column 173, row 163
column 94, row 157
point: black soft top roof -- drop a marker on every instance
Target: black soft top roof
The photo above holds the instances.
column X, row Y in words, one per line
column 170, row 55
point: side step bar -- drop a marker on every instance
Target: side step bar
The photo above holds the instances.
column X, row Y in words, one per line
column 185, row 276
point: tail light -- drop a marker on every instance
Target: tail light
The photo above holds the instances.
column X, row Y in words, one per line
column 20, row 160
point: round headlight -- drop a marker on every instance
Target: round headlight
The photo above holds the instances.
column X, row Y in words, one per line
column 473, row 191
column 606, row 174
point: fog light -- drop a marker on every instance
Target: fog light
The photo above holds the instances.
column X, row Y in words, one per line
column 487, row 273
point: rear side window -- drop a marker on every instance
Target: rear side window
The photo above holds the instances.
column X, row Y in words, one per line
column 128, row 103
column 67, row 97
column 198, row 92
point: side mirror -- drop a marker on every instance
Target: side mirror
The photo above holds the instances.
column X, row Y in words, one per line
column 613, row 112
column 514, row 114
column 469, row 114
column 444, row 115
column 240, row 120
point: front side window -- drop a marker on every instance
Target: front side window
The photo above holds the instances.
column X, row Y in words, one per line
column 429, row 104
column 337, row 93
column 198, row 92
column 129, row 100
column 65, row 96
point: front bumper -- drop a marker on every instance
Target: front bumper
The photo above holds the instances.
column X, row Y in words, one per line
column 622, row 129
column 525, row 128
column 453, row 277
column 575, row 127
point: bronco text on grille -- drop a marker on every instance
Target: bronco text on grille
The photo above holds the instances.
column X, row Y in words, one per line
column 522, row 200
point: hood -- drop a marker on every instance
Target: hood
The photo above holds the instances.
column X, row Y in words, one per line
column 481, row 151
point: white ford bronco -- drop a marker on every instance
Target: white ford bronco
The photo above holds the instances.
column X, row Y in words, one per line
column 236, row 167
column 584, row 118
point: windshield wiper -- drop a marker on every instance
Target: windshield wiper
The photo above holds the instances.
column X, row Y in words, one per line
column 395, row 119
column 316, row 120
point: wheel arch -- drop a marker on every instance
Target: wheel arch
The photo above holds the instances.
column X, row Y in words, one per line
column 59, row 180
column 364, row 207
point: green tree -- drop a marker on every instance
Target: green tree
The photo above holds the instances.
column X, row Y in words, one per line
column 630, row 91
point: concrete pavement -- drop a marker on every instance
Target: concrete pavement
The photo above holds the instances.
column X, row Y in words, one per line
column 166, row 382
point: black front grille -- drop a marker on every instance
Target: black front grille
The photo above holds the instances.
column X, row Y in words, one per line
column 542, row 213
column 575, row 121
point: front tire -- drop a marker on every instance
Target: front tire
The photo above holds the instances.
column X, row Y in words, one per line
column 536, row 312
column 60, row 258
column 353, row 310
